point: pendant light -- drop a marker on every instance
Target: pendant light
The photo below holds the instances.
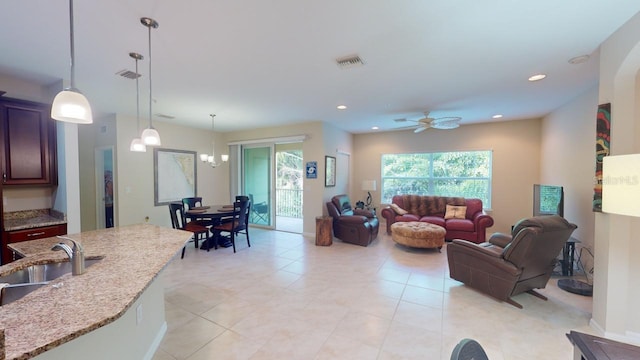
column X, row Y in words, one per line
column 136, row 144
column 211, row 159
column 70, row 105
column 150, row 135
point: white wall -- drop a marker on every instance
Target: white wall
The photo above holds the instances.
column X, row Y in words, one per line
column 616, row 284
column 516, row 158
column 568, row 159
column 337, row 143
column 135, row 173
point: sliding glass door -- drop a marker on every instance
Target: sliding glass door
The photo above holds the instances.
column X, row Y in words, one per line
column 257, row 175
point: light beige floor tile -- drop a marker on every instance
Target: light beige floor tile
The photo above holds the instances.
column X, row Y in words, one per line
column 183, row 341
column 411, row 342
column 285, row 298
column 339, row 347
column 162, row 355
column 422, row 296
column 230, row 312
column 229, row 346
column 363, row 328
column 425, row 317
column 293, row 345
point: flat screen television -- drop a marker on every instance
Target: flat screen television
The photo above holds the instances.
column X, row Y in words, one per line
column 548, row 200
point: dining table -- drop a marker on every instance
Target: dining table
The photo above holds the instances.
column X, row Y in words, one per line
column 215, row 214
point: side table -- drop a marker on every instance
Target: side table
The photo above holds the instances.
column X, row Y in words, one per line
column 324, row 236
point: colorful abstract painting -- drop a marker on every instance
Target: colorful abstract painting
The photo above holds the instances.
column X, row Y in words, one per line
column 603, row 137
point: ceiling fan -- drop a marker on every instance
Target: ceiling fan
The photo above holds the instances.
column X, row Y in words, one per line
column 443, row 123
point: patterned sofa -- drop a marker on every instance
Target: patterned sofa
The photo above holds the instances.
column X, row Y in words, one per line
column 462, row 218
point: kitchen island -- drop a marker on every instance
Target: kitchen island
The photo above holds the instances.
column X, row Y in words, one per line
column 100, row 313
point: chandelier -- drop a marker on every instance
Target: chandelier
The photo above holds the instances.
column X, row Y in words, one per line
column 211, row 159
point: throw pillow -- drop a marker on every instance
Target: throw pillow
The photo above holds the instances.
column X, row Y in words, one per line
column 398, row 209
column 455, row 212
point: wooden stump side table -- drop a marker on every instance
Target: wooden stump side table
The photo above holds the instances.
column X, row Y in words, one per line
column 323, row 231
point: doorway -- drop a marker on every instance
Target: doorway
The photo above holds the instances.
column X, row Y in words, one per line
column 105, row 180
column 289, row 179
column 272, row 176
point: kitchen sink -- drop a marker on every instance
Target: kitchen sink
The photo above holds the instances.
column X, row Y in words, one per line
column 22, row 282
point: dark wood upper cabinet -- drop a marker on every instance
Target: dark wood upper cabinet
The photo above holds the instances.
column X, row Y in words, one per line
column 29, row 143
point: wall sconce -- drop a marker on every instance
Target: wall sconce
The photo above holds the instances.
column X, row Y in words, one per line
column 211, row 159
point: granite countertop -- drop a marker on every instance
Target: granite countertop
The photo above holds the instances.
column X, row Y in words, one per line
column 29, row 219
column 50, row 316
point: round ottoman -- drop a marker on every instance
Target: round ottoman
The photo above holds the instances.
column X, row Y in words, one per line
column 418, row 234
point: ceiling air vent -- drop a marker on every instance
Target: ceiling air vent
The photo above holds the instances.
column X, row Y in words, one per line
column 165, row 116
column 349, row 62
column 128, row 74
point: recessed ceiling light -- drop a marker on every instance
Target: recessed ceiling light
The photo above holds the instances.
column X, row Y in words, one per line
column 537, row 77
column 375, row 128
column 497, row 116
column 341, row 107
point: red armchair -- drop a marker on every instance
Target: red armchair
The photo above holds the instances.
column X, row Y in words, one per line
column 357, row 226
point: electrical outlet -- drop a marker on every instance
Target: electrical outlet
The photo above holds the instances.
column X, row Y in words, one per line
column 139, row 314
column 146, row 219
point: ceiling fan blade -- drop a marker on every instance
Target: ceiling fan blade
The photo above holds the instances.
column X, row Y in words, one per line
column 420, row 129
column 446, row 123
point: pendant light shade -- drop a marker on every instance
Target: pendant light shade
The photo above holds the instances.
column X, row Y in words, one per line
column 136, row 144
column 150, row 136
column 70, row 105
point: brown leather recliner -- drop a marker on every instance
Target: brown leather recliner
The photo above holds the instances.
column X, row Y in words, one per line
column 357, row 226
column 508, row 265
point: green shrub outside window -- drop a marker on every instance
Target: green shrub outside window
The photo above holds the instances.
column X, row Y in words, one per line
column 460, row 173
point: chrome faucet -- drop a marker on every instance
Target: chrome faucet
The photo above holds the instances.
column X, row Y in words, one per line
column 76, row 254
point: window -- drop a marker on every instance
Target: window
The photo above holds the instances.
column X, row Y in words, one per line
column 459, row 173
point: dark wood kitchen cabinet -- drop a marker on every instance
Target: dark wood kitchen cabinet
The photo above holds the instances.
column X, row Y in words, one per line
column 29, row 143
column 10, row 237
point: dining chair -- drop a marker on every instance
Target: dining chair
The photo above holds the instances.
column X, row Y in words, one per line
column 189, row 203
column 178, row 221
column 239, row 225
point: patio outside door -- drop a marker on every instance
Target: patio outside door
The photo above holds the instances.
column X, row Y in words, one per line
column 257, row 163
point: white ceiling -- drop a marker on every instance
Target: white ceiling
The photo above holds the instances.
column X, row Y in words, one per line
column 259, row 63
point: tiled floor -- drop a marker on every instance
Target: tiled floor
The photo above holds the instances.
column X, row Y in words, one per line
column 285, row 298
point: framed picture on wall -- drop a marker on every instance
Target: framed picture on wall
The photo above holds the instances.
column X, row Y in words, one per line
column 174, row 173
column 329, row 171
